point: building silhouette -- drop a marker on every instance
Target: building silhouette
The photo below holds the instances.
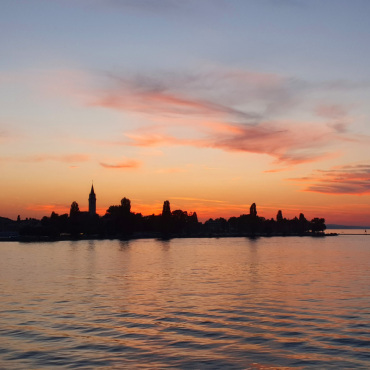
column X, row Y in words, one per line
column 92, row 202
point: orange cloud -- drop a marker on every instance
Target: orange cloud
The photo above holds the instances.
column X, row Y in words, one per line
column 121, row 165
column 276, row 170
column 172, row 170
column 151, row 139
column 69, row 158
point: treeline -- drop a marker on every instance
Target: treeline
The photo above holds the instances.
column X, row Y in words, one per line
column 120, row 222
column 252, row 224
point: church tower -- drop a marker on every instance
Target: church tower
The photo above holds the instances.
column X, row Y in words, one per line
column 92, row 202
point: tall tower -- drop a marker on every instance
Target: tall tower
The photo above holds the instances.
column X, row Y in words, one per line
column 92, row 202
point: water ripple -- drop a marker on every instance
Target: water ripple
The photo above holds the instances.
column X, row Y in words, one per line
column 209, row 304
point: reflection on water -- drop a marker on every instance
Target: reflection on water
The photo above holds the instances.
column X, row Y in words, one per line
column 186, row 303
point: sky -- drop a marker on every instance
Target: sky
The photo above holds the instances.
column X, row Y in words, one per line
column 210, row 104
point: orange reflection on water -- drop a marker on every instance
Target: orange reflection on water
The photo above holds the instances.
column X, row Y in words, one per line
column 237, row 302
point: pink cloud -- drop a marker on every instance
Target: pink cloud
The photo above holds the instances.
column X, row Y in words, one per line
column 227, row 110
column 167, row 103
column 351, row 180
column 331, row 111
column 288, row 142
column 337, row 116
column 215, row 93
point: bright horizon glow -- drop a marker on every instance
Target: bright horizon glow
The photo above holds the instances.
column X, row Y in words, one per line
column 212, row 105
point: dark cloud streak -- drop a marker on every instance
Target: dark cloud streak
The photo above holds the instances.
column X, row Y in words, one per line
column 349, row 179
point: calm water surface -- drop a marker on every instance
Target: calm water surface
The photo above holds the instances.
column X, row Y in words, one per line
column 231, row 303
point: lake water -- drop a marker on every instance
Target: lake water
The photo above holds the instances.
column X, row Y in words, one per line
column 348, row 231
column 230, row 303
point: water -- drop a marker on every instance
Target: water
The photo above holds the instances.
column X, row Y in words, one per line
column 349, row 231
column 230, row 303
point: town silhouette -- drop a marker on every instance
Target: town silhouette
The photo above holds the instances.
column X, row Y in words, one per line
column 120, row 222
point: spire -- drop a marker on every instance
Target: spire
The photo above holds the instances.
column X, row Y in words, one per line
column 92, row 201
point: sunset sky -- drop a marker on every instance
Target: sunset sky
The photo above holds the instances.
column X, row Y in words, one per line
column 211, row 104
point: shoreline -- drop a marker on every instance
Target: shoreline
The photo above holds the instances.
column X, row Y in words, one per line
column 32, row 238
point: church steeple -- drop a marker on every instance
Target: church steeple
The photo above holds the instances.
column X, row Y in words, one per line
column 92, row 201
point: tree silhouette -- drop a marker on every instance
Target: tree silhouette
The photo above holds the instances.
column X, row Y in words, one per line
column 120, row 222
column 303, row 224
column 253, row 210
column 74, row 210
column 194, row 217
column 119, row 219
column 317, row 225
column 126, row 206
column 166, row 211
column 166, row 219
column 179, row 219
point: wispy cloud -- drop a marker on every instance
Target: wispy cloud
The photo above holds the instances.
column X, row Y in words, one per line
column 167, row 95
column 288, row 142
column 276, row 170
column 68, row 158
column 172, row 170
column 39, row 158
column 121, row 165
column 336, row 115
column 231, row 110
column 351, row 179
column 332, row 111
column 160, row 7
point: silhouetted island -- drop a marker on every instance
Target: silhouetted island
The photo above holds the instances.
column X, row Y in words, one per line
column 120, row 222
